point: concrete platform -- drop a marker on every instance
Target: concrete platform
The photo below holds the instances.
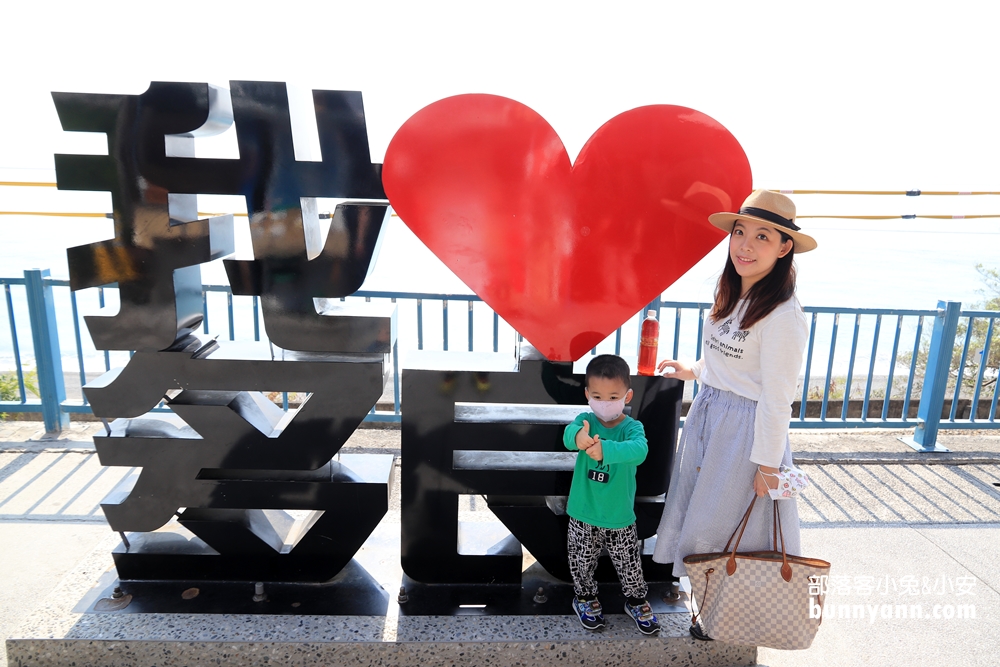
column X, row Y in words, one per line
column 58, row 634
column 876, row 511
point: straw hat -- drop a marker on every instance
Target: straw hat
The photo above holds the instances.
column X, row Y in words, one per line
column 772, row 209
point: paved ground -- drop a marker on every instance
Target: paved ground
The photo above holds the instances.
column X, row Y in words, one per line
column 936, row 572
column 899, row 527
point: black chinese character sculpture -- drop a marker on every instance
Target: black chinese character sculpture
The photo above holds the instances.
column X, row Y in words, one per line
column 497, row 432
column 229, row 463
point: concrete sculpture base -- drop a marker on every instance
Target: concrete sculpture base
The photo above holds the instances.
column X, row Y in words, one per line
column 60, row 633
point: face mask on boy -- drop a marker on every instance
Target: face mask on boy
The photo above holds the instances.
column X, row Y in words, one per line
column 607, row 411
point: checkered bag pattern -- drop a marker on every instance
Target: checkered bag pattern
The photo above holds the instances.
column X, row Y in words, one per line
column 755, row 605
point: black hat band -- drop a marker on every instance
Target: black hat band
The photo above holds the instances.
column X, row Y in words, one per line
column 769, row 216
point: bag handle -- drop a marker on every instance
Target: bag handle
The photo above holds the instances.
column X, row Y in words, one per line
column 704, row 602
column 786, row 569
column 741, row 524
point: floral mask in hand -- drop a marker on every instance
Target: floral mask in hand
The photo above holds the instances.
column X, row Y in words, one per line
column 791, row 482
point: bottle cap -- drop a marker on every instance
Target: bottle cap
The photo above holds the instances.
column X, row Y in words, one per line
column 651, row 313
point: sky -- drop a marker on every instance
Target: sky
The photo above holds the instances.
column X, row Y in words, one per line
column 848, row 95
column 851, row 94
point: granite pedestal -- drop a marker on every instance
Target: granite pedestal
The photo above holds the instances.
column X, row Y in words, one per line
column 62, row 632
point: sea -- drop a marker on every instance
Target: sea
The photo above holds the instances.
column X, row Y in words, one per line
column 885, row 264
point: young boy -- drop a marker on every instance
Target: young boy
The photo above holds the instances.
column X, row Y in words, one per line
column 602, row 495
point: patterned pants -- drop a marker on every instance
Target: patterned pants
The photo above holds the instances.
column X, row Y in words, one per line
column 584, row 543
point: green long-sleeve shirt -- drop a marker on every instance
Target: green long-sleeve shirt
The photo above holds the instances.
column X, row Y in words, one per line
column 603, row 494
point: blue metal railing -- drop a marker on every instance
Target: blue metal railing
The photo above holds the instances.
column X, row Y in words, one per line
column 863, row 319
column 869, row 331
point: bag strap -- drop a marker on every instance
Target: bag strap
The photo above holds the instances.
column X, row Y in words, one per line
column 742, row 523
column 731, row 564
column 774, row 525
column 701, row 607
column 786, row 569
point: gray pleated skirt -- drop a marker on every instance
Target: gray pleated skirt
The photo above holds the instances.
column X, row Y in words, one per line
column 712, row 483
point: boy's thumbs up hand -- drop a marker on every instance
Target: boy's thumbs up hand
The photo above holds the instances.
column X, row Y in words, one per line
column 596, row 451
column 583, row 439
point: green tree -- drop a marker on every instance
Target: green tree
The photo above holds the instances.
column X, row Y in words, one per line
column 10, row 391
column 990, row 291
column 978, row 344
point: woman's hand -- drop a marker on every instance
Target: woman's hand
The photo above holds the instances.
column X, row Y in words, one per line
column 678, row 370
column 763, row 482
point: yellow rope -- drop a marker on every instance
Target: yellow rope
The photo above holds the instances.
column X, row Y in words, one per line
column 28, row 184
column 98, row 215
column 898, row 217
column 56, row 215
column 828, row 217
column 41, row 184
column 911, row 193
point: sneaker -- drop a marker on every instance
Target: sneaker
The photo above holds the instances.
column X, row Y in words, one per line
column 590, row 613
column 644, row 618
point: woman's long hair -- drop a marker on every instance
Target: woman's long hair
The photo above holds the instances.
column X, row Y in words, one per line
column 767, row 294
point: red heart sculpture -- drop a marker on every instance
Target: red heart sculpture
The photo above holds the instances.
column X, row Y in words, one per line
column 564, row 253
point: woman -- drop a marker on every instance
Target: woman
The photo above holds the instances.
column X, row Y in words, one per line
column 736, row 433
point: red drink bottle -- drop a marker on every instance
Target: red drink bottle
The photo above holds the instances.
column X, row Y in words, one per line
column 648, row 341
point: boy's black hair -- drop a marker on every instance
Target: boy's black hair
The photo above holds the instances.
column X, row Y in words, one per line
column 609, row 366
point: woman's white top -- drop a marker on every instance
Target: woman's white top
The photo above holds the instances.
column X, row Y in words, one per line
column 762, row 364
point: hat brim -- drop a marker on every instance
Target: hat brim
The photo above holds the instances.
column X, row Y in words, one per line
column 726, row 222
